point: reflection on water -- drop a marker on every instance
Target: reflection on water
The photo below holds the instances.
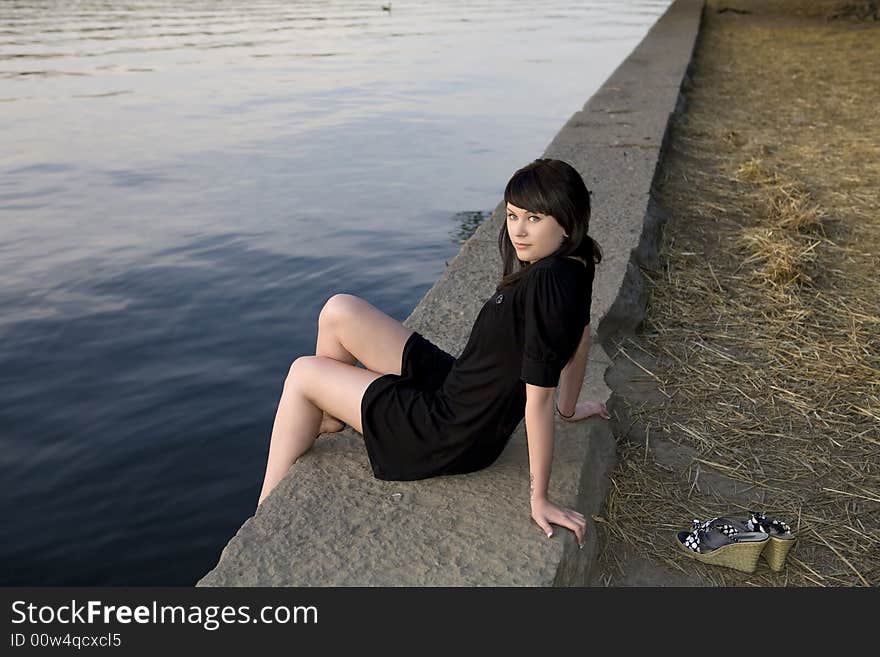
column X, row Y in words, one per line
column 183, row 185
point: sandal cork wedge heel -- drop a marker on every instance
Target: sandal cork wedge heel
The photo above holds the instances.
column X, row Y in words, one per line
column 781, row 538
column 719, row 543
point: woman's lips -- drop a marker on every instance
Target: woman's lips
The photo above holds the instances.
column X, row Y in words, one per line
column 518, row 245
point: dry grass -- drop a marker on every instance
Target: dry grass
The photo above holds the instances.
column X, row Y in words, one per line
column 764, row 320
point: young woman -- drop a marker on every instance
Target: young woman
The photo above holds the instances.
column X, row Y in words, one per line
column 424, row 413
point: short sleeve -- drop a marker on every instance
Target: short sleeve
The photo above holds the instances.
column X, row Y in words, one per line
column 555, row 315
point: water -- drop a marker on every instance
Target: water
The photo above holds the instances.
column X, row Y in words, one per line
column 184, row 185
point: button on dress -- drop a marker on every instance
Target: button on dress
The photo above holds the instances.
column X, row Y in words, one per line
column 444, row 415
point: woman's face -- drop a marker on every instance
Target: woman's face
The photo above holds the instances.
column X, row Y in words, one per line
column 533, row 235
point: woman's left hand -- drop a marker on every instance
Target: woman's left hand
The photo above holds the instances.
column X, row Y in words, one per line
column 586, row 409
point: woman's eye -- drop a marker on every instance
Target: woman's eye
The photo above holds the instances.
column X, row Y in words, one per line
column 535, row 217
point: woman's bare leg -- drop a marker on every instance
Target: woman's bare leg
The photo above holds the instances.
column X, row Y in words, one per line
column 313, row 383
column 352, row 330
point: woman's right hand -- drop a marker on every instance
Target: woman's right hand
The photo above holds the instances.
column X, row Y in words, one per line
column 544, row 512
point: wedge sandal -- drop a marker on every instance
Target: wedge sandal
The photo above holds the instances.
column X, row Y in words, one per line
column 781, row 537
column 720, row 543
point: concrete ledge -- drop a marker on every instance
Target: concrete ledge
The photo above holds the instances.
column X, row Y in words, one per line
column 330, row 523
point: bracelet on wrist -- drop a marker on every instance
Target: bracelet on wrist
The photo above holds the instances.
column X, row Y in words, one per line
column 562, row 415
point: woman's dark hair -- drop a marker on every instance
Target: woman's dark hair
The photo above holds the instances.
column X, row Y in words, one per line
column 549, row 187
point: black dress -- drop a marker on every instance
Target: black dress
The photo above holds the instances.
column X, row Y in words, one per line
column 444, row 415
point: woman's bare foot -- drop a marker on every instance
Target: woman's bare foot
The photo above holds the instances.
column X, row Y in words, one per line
column 330, row 424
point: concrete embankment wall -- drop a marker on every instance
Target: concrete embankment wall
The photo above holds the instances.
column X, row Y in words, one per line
column 330, row 523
